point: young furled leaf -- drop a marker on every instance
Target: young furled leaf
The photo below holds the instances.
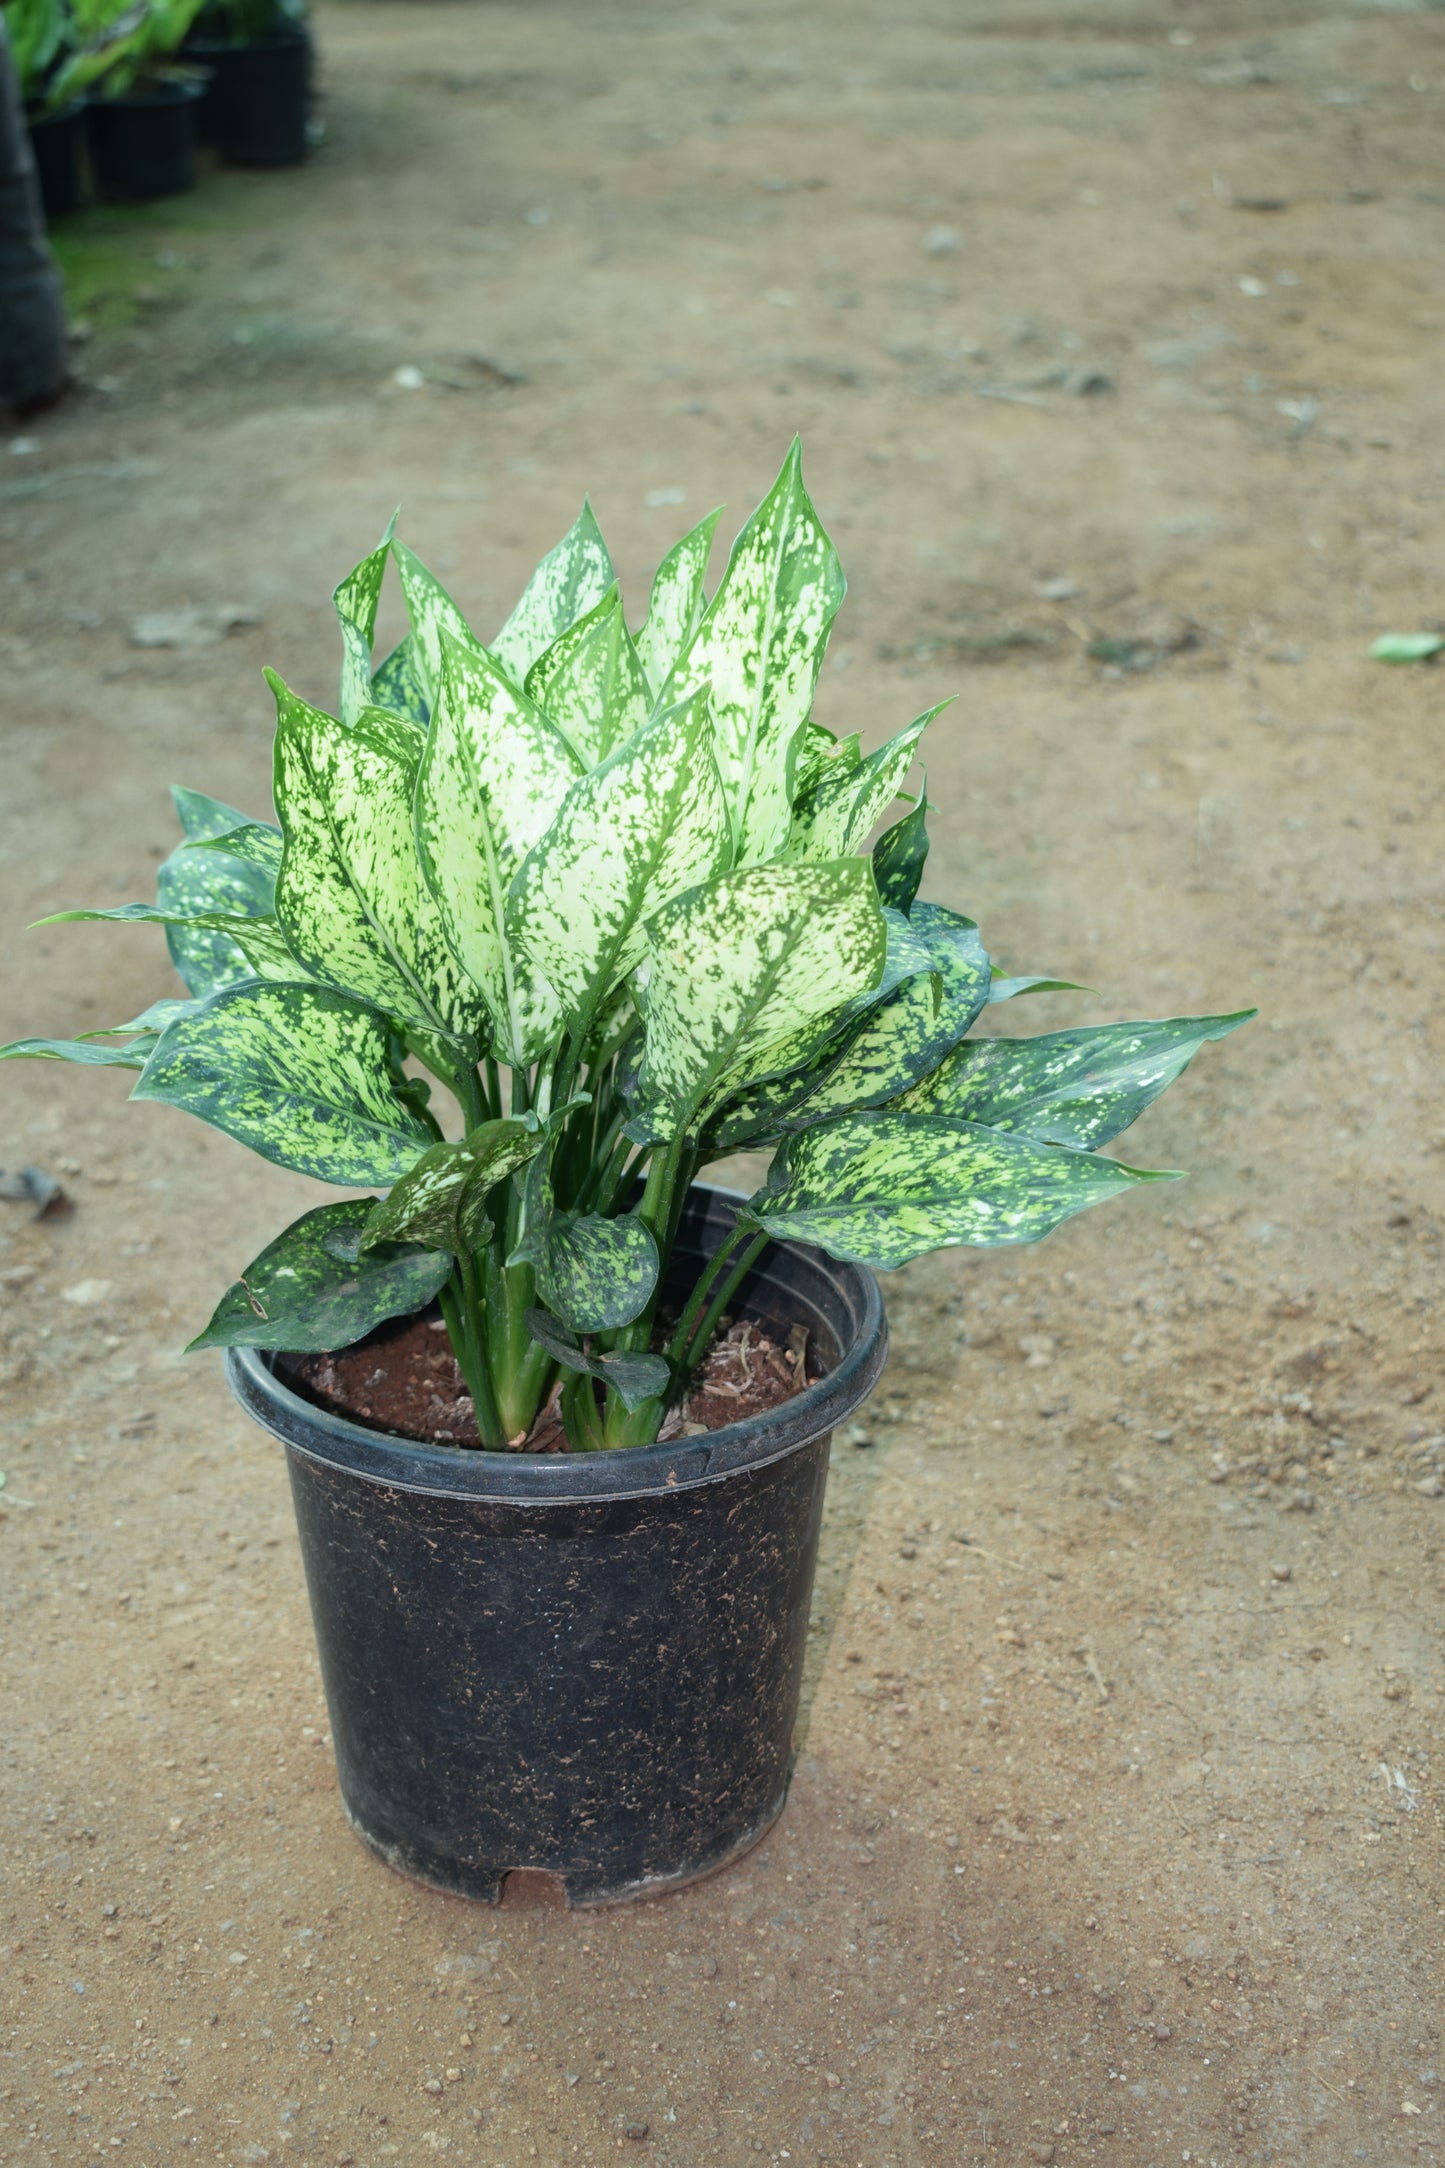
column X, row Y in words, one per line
column 298, row 1073
column 355, row 601
column 132, row 1056
column 677, row 605
column 634, row 1378
column 494, row 773
column 442, row 1199
column 593, row 1273
column 309, row 1292
column 396, row 685
column 591, row 683
column 883, row 1188
column 760, row 647
column 566, row 584
column 627, row 838
column 838, row 812
column 746, row 960
column 899, row 856
column 350, row 897
column 434, row 618
column 1069, row 1087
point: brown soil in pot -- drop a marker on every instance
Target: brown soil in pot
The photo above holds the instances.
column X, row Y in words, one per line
column 404, row 1380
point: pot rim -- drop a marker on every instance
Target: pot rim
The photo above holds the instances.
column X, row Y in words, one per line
column 521, row 1479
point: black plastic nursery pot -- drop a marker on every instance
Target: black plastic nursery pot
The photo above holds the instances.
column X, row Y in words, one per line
column 583, row 1664
column 143, row 144
column 58, row 143
column 256, row 106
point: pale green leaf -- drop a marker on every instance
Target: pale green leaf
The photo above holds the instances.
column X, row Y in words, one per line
column 86, row 1051
column 628, row 837
column 257, row 842
column 1004, row 988
column 493, row 776
column 760, row 647
column 634, row 1378
column 838, row 812
column 1068, row 1087
column 566, row 584
column 308, row 1292
column 434, row 618
column 591, row 683
column 350, row 898
column 356, row 600
column 677, row 605
column 298, row 1073
column 1407, row 646
column 882, row 1188
column 442, row 1200
column 742, row 963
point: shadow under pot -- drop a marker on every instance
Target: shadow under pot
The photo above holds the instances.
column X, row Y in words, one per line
column 143, row 143
column 57, row 141
column 258, row 100
column 580, row 1664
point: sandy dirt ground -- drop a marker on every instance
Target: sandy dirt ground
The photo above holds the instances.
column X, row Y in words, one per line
column 1115, row 1835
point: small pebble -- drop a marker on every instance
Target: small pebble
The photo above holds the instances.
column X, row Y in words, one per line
column 1163, row 2032
column 433, row 2085
column 1280, row 1573
column 634, row 2130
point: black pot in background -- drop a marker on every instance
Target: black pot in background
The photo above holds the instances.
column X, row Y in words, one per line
column 58, row 143
column 143, row 143
column 256, row 107
column 587, row 1664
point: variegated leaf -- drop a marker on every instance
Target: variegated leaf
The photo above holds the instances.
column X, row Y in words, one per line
column 627, row 838
column 350, row 897
column 356, row 601
column 309, row 1292
column 203, row 818
column 760, row 647
column 940, row 987
column 1068, row 1087
column 744, row 962
column 1003, row 988
column 194, row 883
column 434, row 618
column 566, row 584
column 298, row 1073
column 494, row 773
column 255, row 841
column 87, row 1051
column 634, row 1378
column 838, row 812
column 591, row 683
column 396, row 685
column 900, row 854
column 882, row 1188
column 677, row 605
column 819, row 754
column 442, row 1200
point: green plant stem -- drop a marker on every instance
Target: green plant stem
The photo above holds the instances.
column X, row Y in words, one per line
column 469, row 1091
column 693, row 1350
column 459, row 1309
column 580, row 1419
column 698, row 1300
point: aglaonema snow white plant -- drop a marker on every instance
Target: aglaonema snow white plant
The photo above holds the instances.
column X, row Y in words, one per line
column 614, row 892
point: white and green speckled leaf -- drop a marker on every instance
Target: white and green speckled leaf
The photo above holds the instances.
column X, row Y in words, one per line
column 634, row 1378
column 86, row 1051
column 900, row 855
column 442, row 1200
column 255, row 841
column 882, row 1188
column 745, row 962
column 356, row 600
column 493, row 776
column 308, row 1293
column 760, row 647
column 593, row 1273
column 396, row 685
column 350, row 897
column 1068, row 1087
column 591, row 683
column 935, row 987
column 193, row 883
column 298, row 1073
column 838, row 812
column 628, row 837
column 567, row 583
column 819, row 754
column 434, row 619
column 677, row 605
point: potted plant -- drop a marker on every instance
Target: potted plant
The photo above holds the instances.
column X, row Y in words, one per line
column 38, row 32
column 257, row 104
column 609, row 898
column 141, row 100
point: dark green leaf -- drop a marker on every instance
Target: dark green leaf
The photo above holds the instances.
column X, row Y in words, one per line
column 899, row 856
column 396, row 685
column 882, row 1188
column 442, row 1200
column 595, row 1274
column 307, row 1294
column 1068, row 1087
column 634, row 1378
